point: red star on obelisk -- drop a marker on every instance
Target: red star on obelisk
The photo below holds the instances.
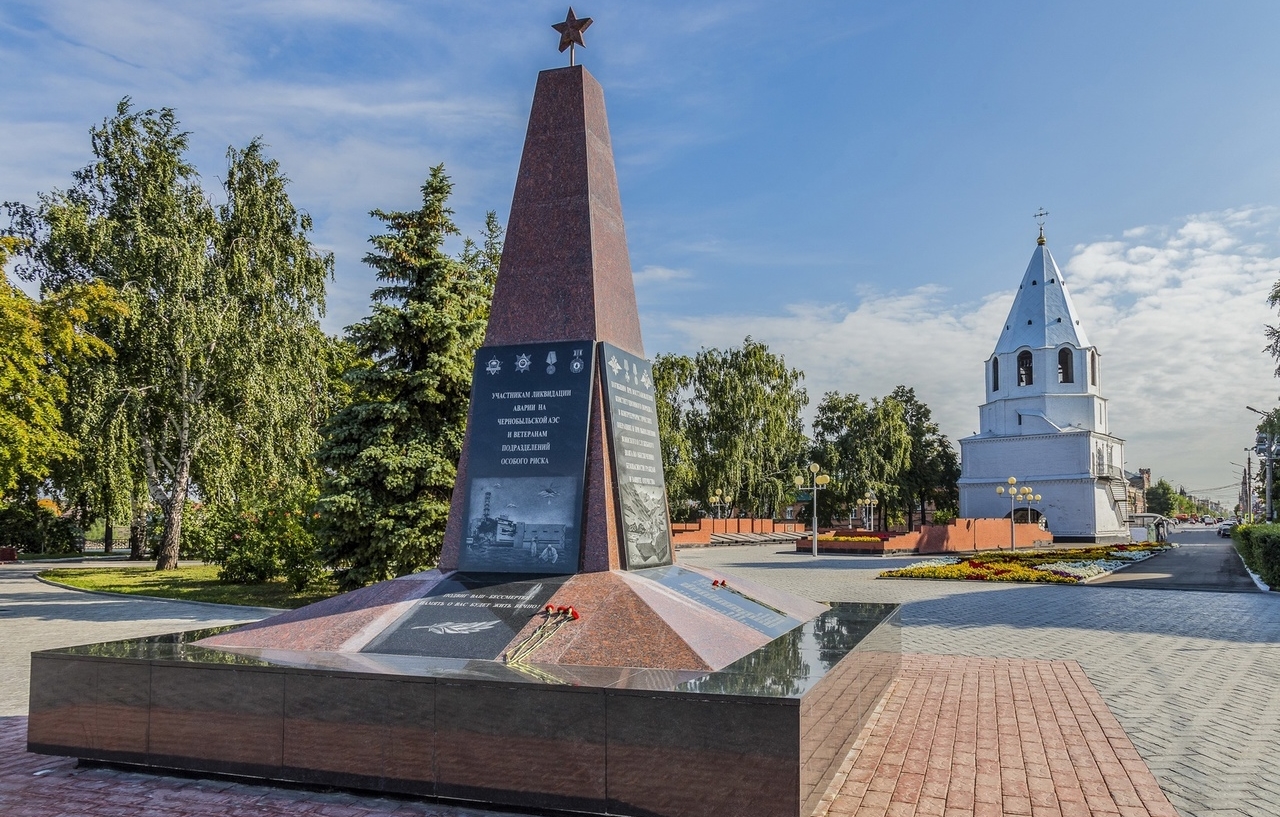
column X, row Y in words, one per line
column 571, row 32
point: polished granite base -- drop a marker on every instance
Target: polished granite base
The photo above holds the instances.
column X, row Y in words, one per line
column 762, row 736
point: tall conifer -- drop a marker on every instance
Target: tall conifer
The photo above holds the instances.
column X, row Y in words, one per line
column 390, row 457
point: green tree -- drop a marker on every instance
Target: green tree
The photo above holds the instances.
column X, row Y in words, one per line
column 1161, row 498
column 933, row 470
column 217, row 360
column 745, row 426
column 40, row 343
column 865, row 447
column 390, row 457
column 673, row 377
column 839, row 427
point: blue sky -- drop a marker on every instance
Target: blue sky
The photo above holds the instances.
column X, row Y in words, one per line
column 851, row 182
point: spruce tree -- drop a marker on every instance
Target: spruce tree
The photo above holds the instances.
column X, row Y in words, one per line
column 390, row 457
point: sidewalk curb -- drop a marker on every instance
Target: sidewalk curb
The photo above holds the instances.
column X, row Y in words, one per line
column 264, row 612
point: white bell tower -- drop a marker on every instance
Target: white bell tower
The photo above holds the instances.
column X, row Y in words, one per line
column 1045, row 419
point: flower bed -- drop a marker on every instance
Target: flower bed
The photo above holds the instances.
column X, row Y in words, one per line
column 1067, row 566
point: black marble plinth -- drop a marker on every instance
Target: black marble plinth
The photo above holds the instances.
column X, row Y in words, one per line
column 763, row 736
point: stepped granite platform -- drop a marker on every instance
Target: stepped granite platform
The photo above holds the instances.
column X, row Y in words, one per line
column 763, row 735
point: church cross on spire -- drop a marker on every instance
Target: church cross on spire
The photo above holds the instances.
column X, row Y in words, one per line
column 1039, row 217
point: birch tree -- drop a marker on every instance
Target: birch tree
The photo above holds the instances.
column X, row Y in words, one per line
column 218, row 357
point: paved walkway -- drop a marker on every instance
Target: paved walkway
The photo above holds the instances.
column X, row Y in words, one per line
column 1203, row 562
column 37, row 616
column 994, row 736
column 1189, row 675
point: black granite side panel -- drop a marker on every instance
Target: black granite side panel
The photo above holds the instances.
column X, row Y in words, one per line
column 97, row 704
column 539, row 747
column 702, row 756
column 360, row 732
column 834, row 711
column 219, row 719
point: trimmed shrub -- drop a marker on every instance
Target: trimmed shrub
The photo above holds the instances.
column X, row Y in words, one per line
column 1259, row 546
column 255, row 543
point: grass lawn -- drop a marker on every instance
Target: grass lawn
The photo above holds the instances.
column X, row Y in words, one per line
column 199, row 583
column 35, row 557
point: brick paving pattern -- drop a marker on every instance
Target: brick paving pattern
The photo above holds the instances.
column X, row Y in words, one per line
column 1191, row 676
column 988, row 737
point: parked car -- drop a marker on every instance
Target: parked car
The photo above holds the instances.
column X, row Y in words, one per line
column 1225, row 528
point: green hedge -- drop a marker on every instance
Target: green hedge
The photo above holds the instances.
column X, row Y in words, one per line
column 1259, row 546
column 32, row 529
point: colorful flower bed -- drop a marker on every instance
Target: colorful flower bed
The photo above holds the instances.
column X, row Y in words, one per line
column 1066, row 566
column 848, row 538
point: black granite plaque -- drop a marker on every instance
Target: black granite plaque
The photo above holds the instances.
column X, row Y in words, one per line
column 467, row 616
column 637, row 457
column 723, row 600
column 528, row 454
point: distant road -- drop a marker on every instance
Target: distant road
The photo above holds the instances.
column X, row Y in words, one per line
column 1202, row 561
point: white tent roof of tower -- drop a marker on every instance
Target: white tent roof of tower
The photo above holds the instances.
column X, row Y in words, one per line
column 1042, row 314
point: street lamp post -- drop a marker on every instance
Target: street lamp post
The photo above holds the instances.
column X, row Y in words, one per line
column 867, row 506
column 720, row 502
column 816, row 483
column 1025, row 495
column 1016, row 494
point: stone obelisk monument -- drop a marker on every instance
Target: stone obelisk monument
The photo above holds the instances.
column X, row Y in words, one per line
column 565, row 276
column 557, row 659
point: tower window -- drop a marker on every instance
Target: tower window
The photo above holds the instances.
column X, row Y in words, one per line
column 1093, row 368
column 1024, row 369
column 1066, row 372
column 995, row 374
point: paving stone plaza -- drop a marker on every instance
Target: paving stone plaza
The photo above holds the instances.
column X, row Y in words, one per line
column 1190, row 676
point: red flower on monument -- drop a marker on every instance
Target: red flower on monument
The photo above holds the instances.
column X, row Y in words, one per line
column 574, row 614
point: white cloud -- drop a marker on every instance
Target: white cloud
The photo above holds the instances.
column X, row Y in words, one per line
column 1177, row 313
column 652, row 275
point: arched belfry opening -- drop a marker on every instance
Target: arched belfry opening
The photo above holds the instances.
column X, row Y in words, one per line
column 995, row 374
column 1066, row 366
column 1093, row 368
column 1025, row 374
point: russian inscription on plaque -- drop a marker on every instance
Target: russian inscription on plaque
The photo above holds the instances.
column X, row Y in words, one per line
column 529, row 412
column 637, row 457
column 471, row 615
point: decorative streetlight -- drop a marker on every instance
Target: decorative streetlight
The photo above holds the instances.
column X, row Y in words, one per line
column 1025, row 495
column 1014, row 492
column 720, row 502
column 868, row 506
column 816, row 483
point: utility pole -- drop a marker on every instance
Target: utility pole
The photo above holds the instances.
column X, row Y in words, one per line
column 1267, row 453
